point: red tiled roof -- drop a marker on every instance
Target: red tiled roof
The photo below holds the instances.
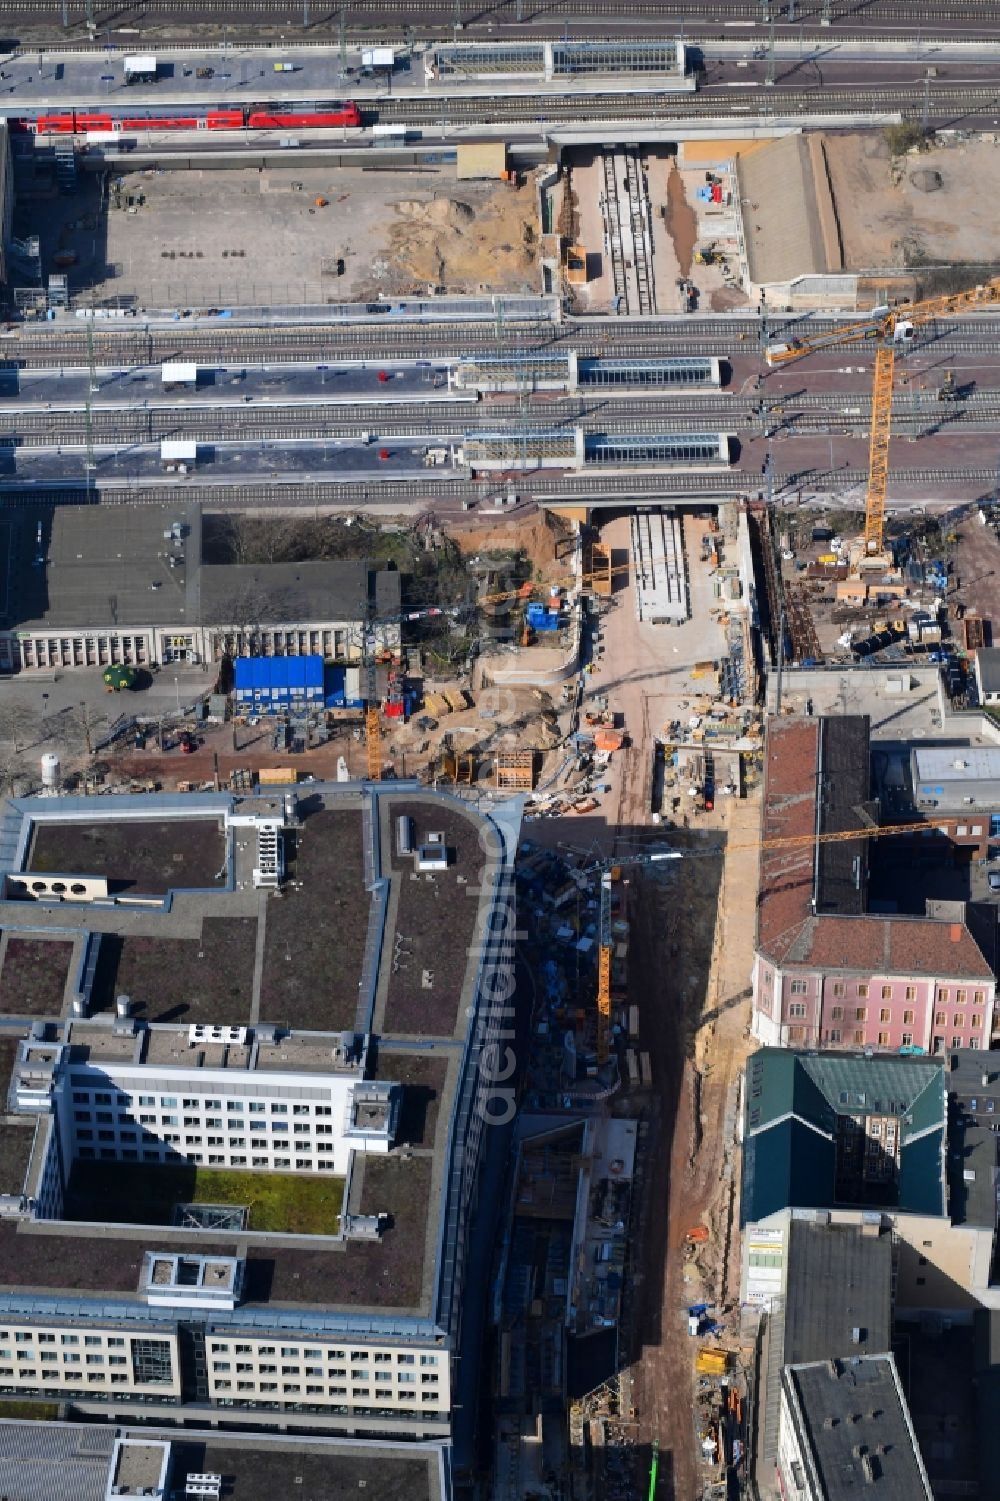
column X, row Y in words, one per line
column 788, row 933
column 786, row 875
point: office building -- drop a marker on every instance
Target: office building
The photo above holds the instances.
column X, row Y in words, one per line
column 90, row 587
column 247, row 1069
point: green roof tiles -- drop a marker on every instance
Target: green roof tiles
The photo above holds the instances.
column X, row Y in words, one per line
column 792, row 1104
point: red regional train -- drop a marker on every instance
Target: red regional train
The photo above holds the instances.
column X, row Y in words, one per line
column 253, row 117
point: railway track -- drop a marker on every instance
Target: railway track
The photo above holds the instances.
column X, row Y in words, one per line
column 272, row 13
column 129, row 433
column 304, row 419
column 130, row 347
column 945, row 103
column 812, row 413
column 420, row 490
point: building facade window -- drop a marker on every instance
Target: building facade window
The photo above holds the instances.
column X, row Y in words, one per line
column 152, row 1362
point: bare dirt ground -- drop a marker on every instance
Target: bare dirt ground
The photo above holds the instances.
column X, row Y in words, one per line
column 886, row 219
column 474, row 237
column 216, row 753
column 681, row 220
column 977, row 575
column 698, row 930
column 543, row 538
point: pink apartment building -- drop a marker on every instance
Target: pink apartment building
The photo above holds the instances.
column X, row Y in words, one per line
column 826, row 973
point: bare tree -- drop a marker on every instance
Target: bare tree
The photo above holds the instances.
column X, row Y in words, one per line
column 75, row 727
column 18, row 724
column 240, row 617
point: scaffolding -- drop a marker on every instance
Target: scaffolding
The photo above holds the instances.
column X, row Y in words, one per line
column 597, row 567
column 524, row 450
column 510, row 59
column 511, row 372
column 515, row 771
column 763, row 551
column 801, row 626
column 587, row 59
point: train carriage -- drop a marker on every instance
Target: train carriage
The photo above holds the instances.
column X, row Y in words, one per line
column 313, row 115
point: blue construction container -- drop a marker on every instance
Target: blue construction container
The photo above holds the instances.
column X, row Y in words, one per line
column 272, row 685
column 335, row 690
column 540, row 618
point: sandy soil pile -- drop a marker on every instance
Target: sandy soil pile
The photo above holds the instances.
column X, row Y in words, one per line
column 544, row 540
column 485, row 238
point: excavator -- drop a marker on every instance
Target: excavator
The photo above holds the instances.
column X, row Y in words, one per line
column 894, row 328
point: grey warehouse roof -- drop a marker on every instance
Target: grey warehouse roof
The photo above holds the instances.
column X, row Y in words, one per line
column 93, row 567
column 956, row 778
column 855, row 1424
column 955, row 763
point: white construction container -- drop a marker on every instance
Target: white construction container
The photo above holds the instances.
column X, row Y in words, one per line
column 140, row 69
column 179, row 373
column 178, row 451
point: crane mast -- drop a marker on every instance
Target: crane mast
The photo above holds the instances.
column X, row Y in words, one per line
column 894, row 327
column 878, row 451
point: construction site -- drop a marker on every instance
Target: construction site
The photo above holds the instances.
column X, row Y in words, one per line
column 607, row 673
column 606, row 667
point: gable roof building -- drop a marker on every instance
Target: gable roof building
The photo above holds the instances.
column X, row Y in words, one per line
column 827, row 972
column 843, row 1129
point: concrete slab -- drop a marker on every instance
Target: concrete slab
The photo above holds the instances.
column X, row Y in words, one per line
column 237, row 236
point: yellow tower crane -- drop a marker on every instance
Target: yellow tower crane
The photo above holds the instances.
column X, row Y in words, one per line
column 894, row 327
column 611, row 871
